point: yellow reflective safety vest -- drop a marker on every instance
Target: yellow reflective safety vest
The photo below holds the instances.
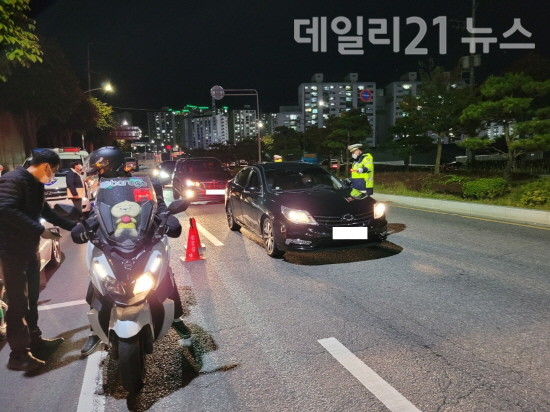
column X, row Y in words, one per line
column 362, row 176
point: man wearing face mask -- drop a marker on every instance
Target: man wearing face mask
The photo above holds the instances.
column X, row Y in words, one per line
column 22, row 204
column 362, row 172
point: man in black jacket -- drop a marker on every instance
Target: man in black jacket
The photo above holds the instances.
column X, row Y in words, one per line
column 75, row 187
column 22, row 204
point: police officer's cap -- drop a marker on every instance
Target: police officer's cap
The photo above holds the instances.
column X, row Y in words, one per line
column 352, row 148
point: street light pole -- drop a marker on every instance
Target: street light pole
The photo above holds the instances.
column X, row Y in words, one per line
column 246, row 92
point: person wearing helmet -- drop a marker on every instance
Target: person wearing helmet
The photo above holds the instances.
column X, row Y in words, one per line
column 109, row 162
column 362, row 172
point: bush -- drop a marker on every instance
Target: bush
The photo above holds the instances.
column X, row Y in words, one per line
column 446, row 184
column 535, row 193
column 485, row 188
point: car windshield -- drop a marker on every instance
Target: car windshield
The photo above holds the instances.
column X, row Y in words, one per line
column 295, row 179
column 191, row 166
column 125, row 208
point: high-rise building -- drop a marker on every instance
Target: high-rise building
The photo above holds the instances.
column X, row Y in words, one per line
column 209, row 130
column 291, row 117
column 319, row 99
column 394, row 92
column 243, row 125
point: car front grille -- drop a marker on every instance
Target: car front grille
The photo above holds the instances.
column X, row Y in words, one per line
column 213, row 185
column 359, row 219
column 55, row 193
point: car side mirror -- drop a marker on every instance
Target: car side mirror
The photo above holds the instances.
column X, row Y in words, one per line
column 178, row 206
column 68, row 211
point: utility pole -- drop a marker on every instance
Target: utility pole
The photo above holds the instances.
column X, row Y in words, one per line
column 88, row 68
column 472, row 81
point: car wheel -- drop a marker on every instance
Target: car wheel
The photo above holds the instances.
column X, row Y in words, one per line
column 175, row 193
column 55, row 259
column 56, row 253
column 269, row 239
column 230, row 219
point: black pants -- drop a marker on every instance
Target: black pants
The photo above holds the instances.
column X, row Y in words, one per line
column 77, row 202
column 21, row 276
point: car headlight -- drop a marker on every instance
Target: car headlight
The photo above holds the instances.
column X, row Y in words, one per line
column 189, row 194
column 156, row 172
column 192, row 183
column 164, row 175
column 298, row 216
column 144, row 283
column 379, row 210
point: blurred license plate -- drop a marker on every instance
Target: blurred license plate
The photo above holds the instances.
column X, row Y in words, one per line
column 215, row 191
column 346, row 233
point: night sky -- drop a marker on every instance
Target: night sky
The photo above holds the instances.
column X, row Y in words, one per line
column 170, row 53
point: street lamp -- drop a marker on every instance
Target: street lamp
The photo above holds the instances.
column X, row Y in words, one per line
column 107, row 88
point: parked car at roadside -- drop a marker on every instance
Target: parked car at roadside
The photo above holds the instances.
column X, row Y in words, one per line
column 299, row 206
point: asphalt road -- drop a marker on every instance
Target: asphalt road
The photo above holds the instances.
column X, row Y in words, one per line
column 450, row 314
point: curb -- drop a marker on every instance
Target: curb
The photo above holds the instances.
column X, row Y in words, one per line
column 510, row 214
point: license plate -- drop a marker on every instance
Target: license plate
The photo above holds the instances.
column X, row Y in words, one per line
column 350, row 233
column 215, row 192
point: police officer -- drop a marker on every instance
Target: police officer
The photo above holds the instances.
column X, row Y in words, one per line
column 109, row 162
column 362, row 172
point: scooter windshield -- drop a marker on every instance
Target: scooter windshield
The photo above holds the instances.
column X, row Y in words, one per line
column 125, row 207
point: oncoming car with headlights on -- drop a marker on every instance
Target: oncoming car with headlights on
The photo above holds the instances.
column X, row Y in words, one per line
column 299, row 206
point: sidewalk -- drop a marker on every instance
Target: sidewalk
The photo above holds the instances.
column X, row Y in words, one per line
column 510, row 214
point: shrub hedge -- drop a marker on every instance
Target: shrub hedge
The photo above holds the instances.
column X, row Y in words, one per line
column 487, row 188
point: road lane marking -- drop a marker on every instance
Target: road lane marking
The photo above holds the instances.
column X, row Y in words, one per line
column 387, row 394
column 208, row 235
column 90, row 400
column 473, row 217
column 62, row 305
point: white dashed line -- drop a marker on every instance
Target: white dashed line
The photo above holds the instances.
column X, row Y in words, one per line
column 62, row 305
column 209, row 235
column 388, row 395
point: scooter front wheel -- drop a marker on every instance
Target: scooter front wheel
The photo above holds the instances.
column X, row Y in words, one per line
column 131, row 363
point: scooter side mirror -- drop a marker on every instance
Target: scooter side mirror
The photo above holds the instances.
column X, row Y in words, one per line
column 68, row 211
column 178, row 206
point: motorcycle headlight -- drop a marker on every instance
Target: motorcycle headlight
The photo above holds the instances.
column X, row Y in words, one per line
column 144, row 283
column 108, row 281
column 191, row 183
column 379, row 210
column 156, row 172
column 298, row 216
column 164, row 175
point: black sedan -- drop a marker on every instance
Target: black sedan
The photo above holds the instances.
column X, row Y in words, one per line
column 299, row 206
column 200, row 179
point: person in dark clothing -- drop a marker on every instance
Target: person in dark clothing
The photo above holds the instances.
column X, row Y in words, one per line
column 22, row 204
column 109, row 162
column 75, row 187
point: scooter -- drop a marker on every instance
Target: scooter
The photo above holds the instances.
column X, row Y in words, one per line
column 128, row 259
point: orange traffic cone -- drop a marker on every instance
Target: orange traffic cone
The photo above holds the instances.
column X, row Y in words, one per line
column 193, row 243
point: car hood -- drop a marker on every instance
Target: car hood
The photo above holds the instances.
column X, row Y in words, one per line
column 323, row 202
column 209, row 175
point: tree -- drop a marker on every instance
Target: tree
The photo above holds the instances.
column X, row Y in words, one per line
column 440, row 103
column 18, row 44
column 514, row 102
column 41, row 93
column 286, row 142
column 409, row 132
column 347, row 128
